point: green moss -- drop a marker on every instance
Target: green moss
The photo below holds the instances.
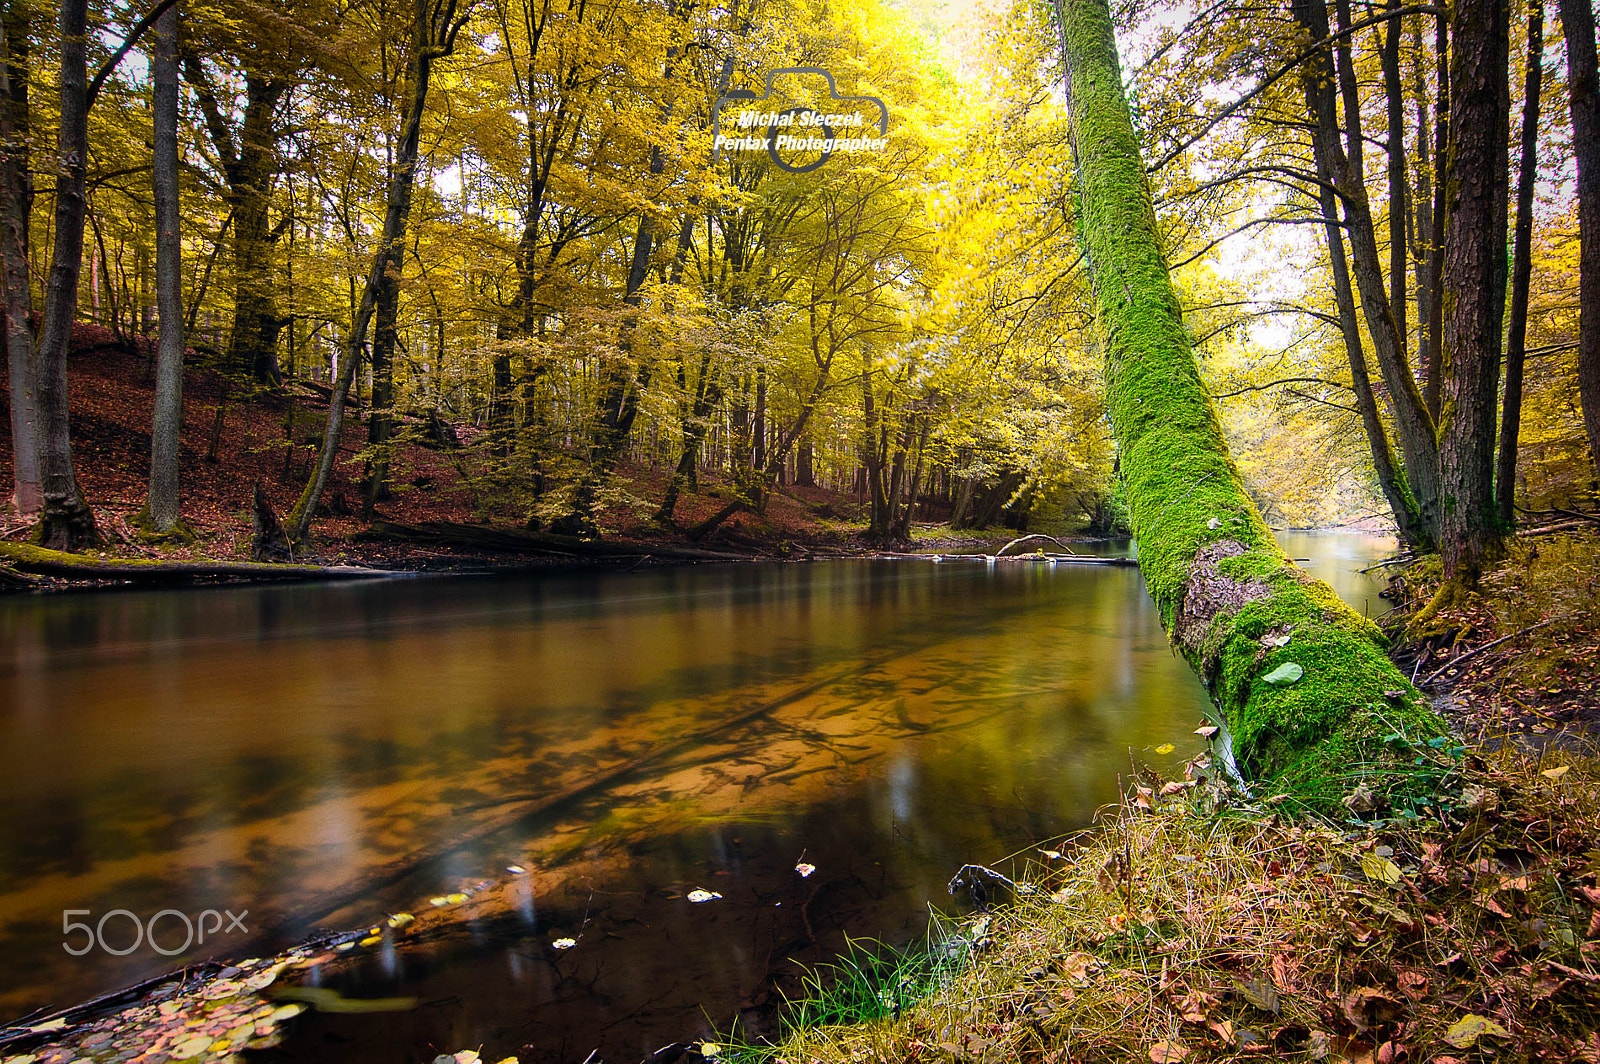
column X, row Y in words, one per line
column 1194, row 520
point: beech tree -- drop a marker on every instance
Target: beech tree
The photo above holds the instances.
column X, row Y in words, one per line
column 65, row 522
column 166, row 426
column 16, row 204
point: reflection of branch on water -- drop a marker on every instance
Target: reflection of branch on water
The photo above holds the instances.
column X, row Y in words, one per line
column 530, row 805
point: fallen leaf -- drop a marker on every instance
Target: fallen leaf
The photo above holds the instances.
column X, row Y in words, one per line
column 1054, row 855
column 1367, row 1007
column 1207, row 731
column 1554, row 773
column 1165, row 748
column 1260, row 992
column 1465, row 1032
column 1168, row 1052
column 515, row 869
column 1319, row 1045
column 564, row 943
column 805, row 869
column 697, row 895
column 1380, row 869
column 1284, row 675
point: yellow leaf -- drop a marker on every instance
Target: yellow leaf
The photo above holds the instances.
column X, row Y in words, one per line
column 1165, row 748
column 1380, row 869
column 1554, row 773
column 1465, row 1032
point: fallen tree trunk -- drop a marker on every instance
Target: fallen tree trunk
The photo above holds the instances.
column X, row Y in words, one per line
column 1303, row 681
column 27, row 558
column 479, row 537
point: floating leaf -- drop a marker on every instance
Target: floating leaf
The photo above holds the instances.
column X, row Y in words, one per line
column 1465, row 1032
column 805, row 869
column 192, row 1046
column 697, row 895
column 1165, row 748
column 1284, row 674
column 1380, row 869
column 564, row 943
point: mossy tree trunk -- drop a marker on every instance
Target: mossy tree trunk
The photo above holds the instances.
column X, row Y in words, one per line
column 1235, row 605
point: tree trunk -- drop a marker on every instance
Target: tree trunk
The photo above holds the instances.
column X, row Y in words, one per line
column 1235, row 605
column 166, row 425
column 1433, row 382
column 380, row 417
column 1399, row 209
column 1317, row 84
column 804, row 465
column 1474, row 284
column 66, row 522
column 1414, row 427
column 433, row 37
column 253, row 340
column 1583, row 89
column 16, row 205
column 1521, row 271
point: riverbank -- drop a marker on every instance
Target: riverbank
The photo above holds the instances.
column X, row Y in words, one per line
column 447, row 510
column 1199, row 923
column 1203, row 926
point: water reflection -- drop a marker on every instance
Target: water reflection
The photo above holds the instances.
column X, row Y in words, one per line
column 294, row 751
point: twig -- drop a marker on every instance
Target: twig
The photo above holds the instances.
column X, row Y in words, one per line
column 1474, row 653
column 1036, row 535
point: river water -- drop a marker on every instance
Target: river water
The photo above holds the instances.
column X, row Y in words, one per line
column 312, row 757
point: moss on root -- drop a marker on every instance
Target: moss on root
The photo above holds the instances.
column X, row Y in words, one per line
column 1233, row 602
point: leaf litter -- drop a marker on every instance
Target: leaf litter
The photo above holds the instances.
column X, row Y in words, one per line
column 1207, row 926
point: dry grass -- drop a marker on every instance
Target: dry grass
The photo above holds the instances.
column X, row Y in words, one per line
column 1203, row 930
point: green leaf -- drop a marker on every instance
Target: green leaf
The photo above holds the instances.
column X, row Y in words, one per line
column 1465, row 1032
column 1284, row 674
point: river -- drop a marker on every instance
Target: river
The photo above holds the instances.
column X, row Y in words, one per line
column 315, row 756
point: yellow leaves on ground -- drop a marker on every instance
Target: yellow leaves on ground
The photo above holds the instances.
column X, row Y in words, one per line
column 1465, row 1032
column 1380, row 869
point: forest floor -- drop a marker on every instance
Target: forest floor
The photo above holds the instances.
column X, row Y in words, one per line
column 271, row 438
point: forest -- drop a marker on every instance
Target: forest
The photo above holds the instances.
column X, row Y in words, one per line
column 502, row 231
column 598, row 297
